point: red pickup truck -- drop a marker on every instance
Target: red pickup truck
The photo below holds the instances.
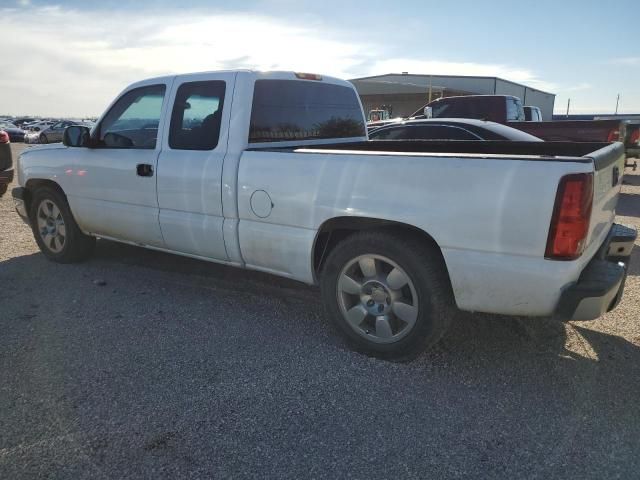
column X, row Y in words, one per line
column 508, row 109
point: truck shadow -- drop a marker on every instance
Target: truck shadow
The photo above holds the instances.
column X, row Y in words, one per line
column 505, row 384
column 491, row 346
column 628, row 205
column 517, row 339
column 633, row 180
column 634, row 265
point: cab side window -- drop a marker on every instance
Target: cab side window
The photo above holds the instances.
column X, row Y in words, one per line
column 133, row 121
column 197, row 116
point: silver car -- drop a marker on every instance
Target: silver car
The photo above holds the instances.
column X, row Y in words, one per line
column 53, row 134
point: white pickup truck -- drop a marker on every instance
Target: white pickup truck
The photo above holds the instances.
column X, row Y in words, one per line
column 273, row 171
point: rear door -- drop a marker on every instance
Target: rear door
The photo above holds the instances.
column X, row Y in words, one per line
column 190, row 165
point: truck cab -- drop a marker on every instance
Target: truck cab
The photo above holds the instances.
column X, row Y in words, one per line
column 494, row 108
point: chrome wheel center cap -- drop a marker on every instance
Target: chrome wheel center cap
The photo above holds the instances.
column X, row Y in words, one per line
column 379, row 295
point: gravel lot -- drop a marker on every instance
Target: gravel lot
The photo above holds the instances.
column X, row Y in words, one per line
column 178, row 368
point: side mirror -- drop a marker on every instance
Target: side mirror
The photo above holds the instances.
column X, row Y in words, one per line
column 76, row 136
column 428, row 112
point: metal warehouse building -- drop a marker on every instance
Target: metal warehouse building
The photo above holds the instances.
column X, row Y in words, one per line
column 405, row 93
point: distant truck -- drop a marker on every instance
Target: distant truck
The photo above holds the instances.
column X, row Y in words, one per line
column 509, row 109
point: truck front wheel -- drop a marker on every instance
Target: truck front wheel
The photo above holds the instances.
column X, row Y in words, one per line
column 389, row 294
column 55, row 230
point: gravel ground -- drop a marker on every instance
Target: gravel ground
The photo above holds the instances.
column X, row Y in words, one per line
column 178, row 368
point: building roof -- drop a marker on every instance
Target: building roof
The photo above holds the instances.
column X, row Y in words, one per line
column 376, row 79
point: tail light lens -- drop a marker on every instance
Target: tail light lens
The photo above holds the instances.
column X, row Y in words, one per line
column 4, row 137
column 571, row 214
column 614, row 135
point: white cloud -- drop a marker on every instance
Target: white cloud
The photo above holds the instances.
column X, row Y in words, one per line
column 67, row 62
column 577, row 88
column 24, row 3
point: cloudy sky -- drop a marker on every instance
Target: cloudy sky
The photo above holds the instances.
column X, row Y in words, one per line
column 72, row 57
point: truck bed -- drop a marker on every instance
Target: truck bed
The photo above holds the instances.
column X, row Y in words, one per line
column 597, row 152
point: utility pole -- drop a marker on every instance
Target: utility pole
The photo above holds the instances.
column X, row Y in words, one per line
column 568, row 103
column 430, row 87
column 617, row 103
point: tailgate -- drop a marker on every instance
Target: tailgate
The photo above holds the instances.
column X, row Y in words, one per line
column 607, row 182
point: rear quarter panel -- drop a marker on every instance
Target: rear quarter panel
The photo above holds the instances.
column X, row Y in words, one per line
column 489, row 215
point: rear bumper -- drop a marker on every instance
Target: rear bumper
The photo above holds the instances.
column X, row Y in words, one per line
column 601, row 284
column 6, row 177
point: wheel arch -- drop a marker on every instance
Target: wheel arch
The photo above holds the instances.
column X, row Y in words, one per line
column 33, row 184
column 332, row 231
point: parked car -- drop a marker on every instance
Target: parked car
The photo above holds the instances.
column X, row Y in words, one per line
column 16, row 134
column 39, row 126
column 53, row 134
column 32, row 137
column 450, row 129
column 20, row 121
column 532, row 114
column 6, row 172
column 397, row 236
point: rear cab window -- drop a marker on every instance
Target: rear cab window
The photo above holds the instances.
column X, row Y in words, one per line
column 515, row 112
column 298, row 110
column 197, row 115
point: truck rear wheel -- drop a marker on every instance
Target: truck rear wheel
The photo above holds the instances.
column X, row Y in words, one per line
column 55, row 230
column 389, row 295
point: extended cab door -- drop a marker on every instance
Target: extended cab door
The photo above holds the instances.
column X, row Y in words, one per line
column 114, row 183
column 190, row 165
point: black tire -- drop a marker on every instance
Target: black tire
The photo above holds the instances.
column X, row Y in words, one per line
column 76, row 245
column 43, row 138
column 424, row 266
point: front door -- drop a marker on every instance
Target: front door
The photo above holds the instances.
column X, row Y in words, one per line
column 115, row 182
column 190, row 165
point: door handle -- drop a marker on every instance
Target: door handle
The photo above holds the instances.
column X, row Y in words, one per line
column 144, row 170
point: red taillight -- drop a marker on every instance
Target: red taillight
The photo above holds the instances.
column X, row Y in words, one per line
column 571, row 214
column 4, row 137
column 309, row 76
column 634, row 138
column 614, row 135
